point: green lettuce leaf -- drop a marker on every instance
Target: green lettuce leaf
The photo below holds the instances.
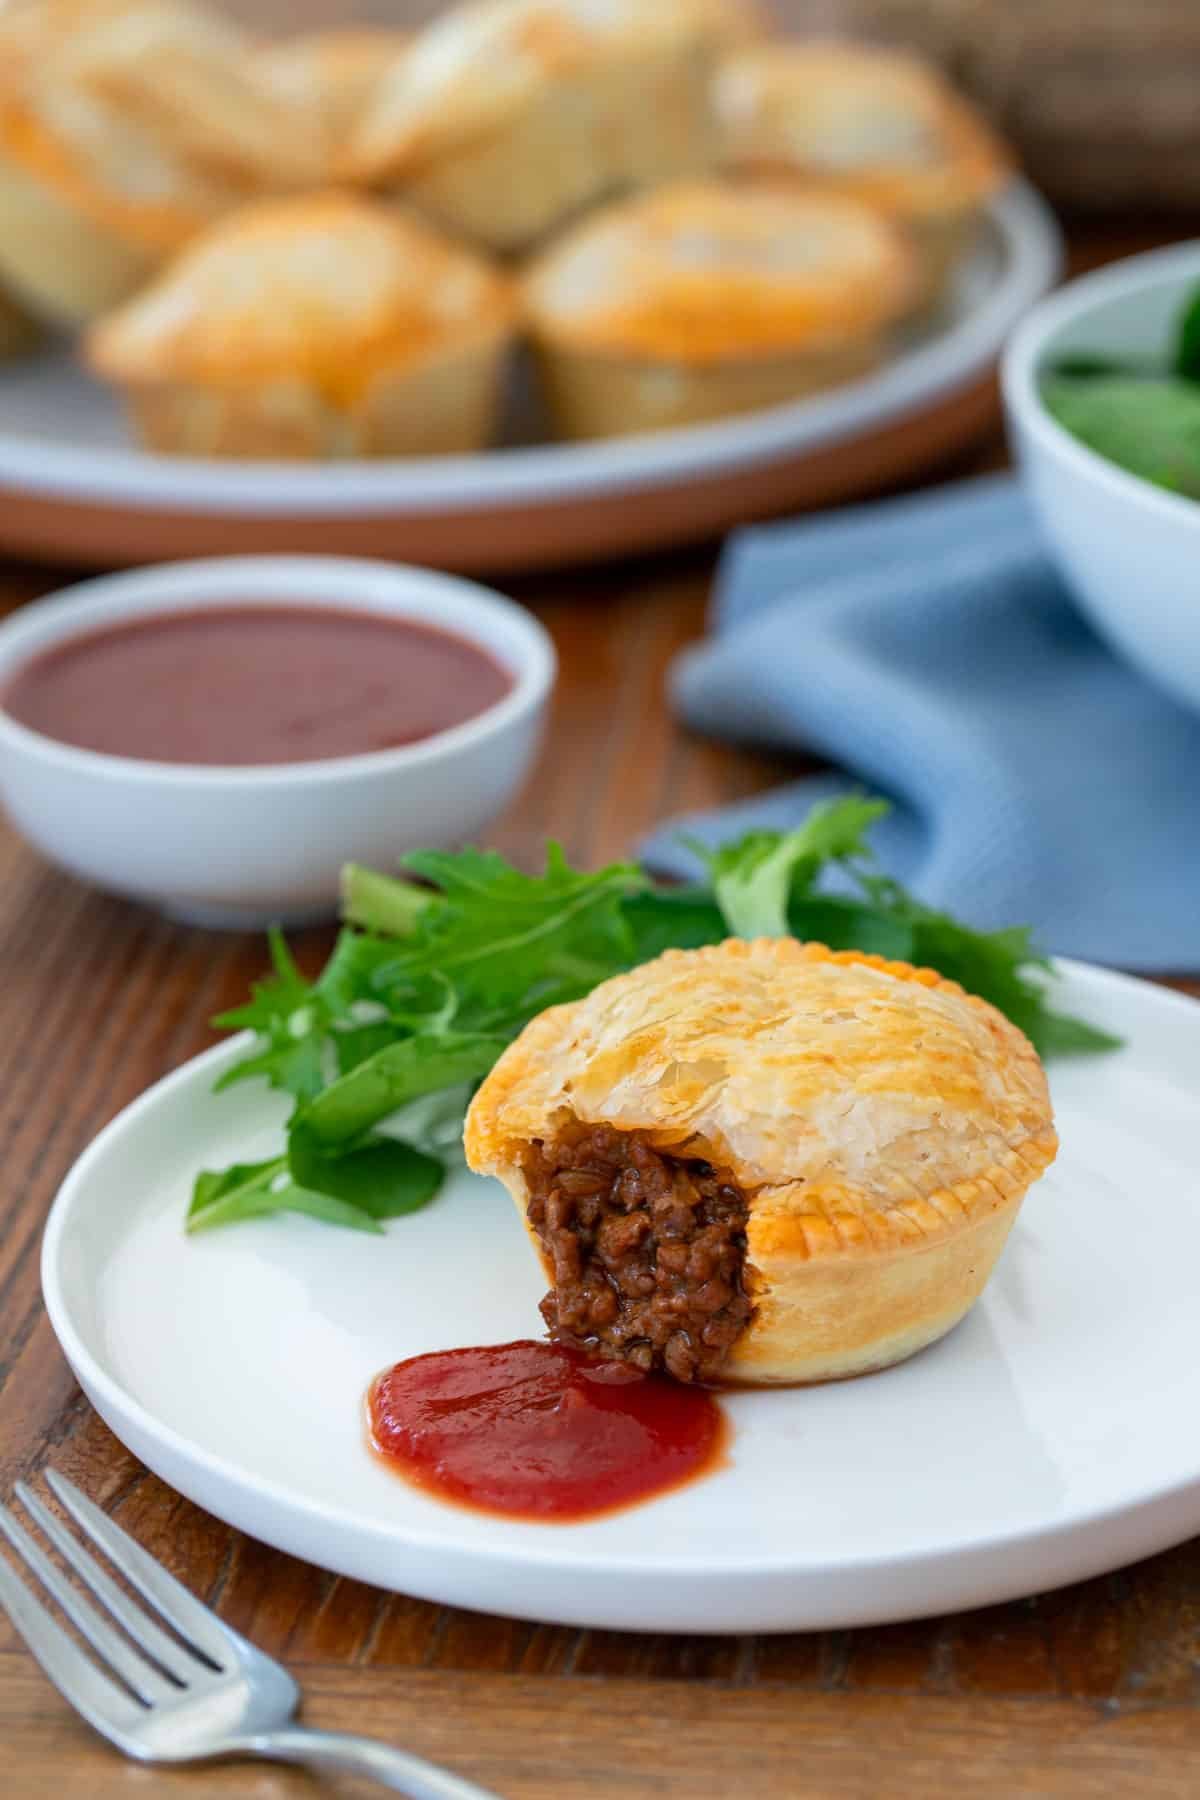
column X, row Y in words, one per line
column 256, row 1190
column 290, row 1022
column 389, row 1080
column 1148, row 425
column 1186, row 362
column 381, row 1176
column 755, row 879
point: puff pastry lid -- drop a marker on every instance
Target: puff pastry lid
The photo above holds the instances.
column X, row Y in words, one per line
column 146, row 113
column 880, row 121
column 855, row 1101
column 476, row 66
column 327, row 288
column 701, row 271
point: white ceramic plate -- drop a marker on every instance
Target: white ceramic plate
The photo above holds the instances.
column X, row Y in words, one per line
column 1050, row 1437
column 71, row 482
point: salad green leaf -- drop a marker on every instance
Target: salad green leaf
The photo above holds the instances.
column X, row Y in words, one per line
column 255, row 1190
column 1145, row 417
column 290, row 1024
column 381, row 1176
column 754, row 879
column 1081, row 364
column 511, row 944
column 379, row 902
column 1187, row 340
column 431, row 978
column 1150, row 426
column 389, row 1080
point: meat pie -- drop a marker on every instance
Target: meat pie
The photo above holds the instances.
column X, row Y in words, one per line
column 765, row 1162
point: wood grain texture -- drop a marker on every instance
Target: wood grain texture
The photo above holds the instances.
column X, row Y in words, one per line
column 543, row 1739
column 1092, row 1691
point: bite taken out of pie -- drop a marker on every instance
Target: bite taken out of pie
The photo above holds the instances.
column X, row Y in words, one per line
column 765, row 1162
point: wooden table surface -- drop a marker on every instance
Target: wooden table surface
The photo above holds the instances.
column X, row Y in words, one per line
column 1092, row 1691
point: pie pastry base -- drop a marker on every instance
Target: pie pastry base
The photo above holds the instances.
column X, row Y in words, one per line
column 444, row 405
column 943, row 243
column 827, row 1319
column 594, row 395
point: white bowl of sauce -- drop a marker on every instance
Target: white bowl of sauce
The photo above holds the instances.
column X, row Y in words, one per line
column 218, row 737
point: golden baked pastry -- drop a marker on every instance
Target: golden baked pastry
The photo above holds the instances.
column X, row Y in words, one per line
column 878, row 124
column 708, row 298
column 125, row 127
column 317, row 326
column 506, row 116
column 765, row 1162
column 332, row 75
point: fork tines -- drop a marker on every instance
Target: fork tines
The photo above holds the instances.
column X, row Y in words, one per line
column 150, row 1665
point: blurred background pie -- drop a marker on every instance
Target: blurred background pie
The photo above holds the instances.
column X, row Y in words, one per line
column 709, row 298
column 703, row 217
column 506, row 116
column 876, row 124
column 316, row 326
column 126, row 126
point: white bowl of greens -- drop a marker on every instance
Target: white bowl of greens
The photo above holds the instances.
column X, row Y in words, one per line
column 1102, row 391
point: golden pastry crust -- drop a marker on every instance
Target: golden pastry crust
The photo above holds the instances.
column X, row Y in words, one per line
column 883, row 1124
column 303, row 327
column 704, row 271
column 703, row 299
column 143, row 117
column 880, row 1098
column 328, row 287
column 506, row 116
column 879, row 124
column 477, row 67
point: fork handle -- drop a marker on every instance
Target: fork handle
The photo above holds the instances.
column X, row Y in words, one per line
column 343, row 1752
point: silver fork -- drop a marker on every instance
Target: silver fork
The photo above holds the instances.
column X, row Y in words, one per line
column 203, row 1694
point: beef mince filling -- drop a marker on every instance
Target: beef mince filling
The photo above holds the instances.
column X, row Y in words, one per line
column 647, row 1250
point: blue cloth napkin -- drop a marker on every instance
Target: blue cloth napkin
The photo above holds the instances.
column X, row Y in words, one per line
column 928, row 648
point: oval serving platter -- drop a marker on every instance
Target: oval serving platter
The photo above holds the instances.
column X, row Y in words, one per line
column 1046, row 1439
column 73, row 489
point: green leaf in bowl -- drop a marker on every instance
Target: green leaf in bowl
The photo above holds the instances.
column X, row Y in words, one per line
column 1187, row 341
column 1089, row 365
column 1149, row 426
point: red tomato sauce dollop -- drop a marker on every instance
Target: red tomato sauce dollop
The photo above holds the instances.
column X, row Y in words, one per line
column 539, row 1431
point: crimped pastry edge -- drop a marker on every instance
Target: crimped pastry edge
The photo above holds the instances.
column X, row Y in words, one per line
column 847, row 1222
column 833, row 1318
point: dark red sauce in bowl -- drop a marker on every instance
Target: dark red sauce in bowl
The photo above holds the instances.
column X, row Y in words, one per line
column 249, row 685
column 539, row 1431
